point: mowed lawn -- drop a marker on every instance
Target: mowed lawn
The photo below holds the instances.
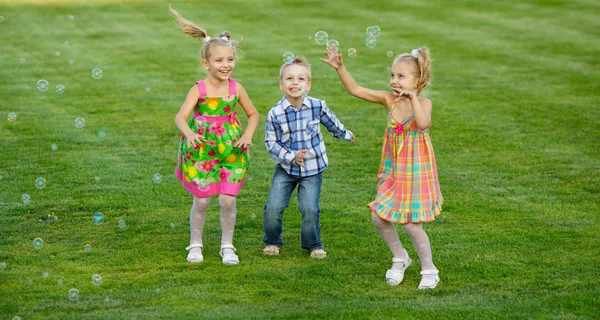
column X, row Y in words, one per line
column 516, row 133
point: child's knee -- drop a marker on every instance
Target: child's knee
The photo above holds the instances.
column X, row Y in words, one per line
column 201, row 203
column 412, row 228
column 227, row 202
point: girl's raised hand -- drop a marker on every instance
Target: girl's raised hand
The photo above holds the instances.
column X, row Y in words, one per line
column 334, row 59
column 194, row 139
column 403, row 94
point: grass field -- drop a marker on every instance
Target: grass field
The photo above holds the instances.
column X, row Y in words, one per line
column 516, row 131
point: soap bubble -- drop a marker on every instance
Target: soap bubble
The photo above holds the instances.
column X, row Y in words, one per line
column 332, row 45
column 12, row 117
column 96, row 279
column 101, row 134
column 25, row 198
column 66, row 43
column 122, row 224
column 374, row 31
column 1, row 19
column 40, row 183
column 71, row 61
column 79, row 123
column 390, row 53
column 2, row 265
column 97, row 73
column 87, row 248
column 30, row 281
column 45, row 275
column 97, row 179
column 57, row 53
column 42, row 85
column 321, row 37
column 253, row 216
column 54, row 147
column 38, row 243
column 106, row 299
column 98, row 218
column 73, row 294
column 22, row 60
column 288, row 58
column 371, row 42
column 60, row 89
column 157, row 178
column 16, row 318
column 172, row 225
column 147, row 89
column 59, row 282
column 71, row 18
column 352, row 52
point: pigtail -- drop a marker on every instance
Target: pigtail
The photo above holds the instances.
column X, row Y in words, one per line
column 188, row 27
column 424, row 63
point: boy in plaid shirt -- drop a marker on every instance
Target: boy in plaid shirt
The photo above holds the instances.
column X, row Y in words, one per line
column 293, row 137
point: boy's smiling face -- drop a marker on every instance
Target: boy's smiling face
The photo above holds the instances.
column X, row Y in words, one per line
column 295, row 81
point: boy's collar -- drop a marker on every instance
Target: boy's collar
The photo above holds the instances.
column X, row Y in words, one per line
column 286, row 103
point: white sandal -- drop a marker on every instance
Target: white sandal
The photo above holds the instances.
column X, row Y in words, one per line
column 229, row 258
column 397, row 275
column 195, row 256
column 429, row 284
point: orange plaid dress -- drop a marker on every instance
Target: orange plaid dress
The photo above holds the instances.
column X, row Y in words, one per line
column 408, row 191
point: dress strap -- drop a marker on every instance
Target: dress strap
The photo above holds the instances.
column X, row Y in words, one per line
column 232, row 90
column 202, row 88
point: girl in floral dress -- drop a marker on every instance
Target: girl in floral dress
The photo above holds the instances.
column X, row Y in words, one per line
column 213, row 152
column 408, row 191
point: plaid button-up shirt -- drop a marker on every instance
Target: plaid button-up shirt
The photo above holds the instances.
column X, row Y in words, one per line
column 290, row 130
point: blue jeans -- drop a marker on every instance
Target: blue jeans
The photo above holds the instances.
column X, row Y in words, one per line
column 309, row 193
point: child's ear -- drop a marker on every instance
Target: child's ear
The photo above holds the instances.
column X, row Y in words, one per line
column 280, row 86
column 309, row 85
column 205, row 64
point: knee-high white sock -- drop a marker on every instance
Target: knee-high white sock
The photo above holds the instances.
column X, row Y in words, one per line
column 388, row 233
column 197, row 218
column 421, row 242
column 228, row 217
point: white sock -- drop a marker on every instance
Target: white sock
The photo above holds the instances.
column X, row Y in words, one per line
column 388, row 233
column 197, row 218
column 228, row 217
column 421, row 242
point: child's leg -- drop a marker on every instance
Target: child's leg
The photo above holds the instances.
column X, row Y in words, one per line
column 309, row 194
column 282, row 187
column 388, row 233
column 197, row 218
column 421, row 242
column 228, row 217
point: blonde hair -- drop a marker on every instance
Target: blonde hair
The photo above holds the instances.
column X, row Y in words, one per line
column 301, row 61
column 193, row 30
column 421, row 64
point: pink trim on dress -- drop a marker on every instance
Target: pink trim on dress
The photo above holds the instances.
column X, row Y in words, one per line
column 202, row 88
column 207, row 191
column 232, row 90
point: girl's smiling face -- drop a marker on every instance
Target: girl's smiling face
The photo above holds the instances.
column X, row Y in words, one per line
column 403, row 77
column 221, row 63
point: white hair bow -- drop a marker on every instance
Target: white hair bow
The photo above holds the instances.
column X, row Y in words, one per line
column 224, row 38
column 415, row 53
column 206, row 39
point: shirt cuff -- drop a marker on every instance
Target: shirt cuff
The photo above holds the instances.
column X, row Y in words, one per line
column 348, row 136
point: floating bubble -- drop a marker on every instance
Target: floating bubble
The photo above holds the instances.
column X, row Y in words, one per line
column 157, row 178
column 71, row 18
column 321, row 37
column 60, row 89
column 59, row 282
column 147, row 89
column 352, row 52
column 101, row 134
column 66, row 43
column 98, row 218
column 40, row 183
column 57, row 53
column 371, row 42
column 288, row 58
column 45, row 275
column 22, row 60
column 1, row 19
column 38, row 243
column 374, row 31
column 389, row 53
column 106, row 299
column 25, row 198
column 2, row 265
column 80, row 123
column 253, row 216
column 71, row 61
column 97, row 73
column 157, row 290
column 97, row 179
column 42, row 85
column 30, row 281
column 96, row 279
column 172, row 225
column 87, row 248
column 54, row 147
column 73, row 294
column 12, row 117
column 333, row 45
column 16, row 318
column 122, row 224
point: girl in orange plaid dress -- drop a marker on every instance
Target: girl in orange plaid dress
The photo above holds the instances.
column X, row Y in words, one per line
column 408, row 191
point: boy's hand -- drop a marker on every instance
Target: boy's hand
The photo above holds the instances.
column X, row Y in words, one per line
column 334, row 59
column 300, row 157
column 352, row 141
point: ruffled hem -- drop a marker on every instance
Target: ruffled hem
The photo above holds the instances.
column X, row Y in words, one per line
column 388, row 214
column 232, row 189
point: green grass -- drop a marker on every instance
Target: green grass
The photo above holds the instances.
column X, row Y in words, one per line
column 516, row 134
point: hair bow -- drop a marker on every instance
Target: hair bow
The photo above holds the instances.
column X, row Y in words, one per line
column 415, row 53
column 224, row 38
column 206, row 39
